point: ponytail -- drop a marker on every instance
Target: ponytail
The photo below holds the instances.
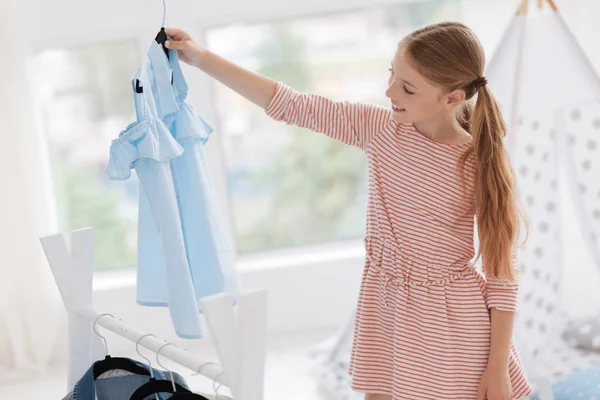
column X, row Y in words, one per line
column 496, row 201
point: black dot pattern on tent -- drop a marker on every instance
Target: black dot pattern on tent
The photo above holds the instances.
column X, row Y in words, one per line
column 536, row 159
column 523, row 268
column 529, row 323
column 540, row 302
column 523, row 170
column 530, row 149
column 530, row 200
column 586, row 164
column 541, row 150
column 539, row 252
column 583, row 167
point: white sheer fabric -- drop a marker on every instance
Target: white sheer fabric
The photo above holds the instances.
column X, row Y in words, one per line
column 29, row 301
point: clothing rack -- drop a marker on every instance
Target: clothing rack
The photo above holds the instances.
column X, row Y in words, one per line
column 239, row 338
column 173, row 352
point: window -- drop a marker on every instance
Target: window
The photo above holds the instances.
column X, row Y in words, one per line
column 289, row 186
column 86, row 99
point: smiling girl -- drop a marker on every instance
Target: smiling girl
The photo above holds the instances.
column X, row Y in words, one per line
column 428, row 324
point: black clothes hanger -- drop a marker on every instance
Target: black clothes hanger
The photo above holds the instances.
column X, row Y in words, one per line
column 161, row 38
column 155, row 386
column 164, row 386
column 109, row 363
column 187, row 396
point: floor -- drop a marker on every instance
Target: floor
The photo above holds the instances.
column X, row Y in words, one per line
column 288, row 373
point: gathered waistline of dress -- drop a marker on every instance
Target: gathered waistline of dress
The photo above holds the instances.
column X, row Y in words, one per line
column 401, row 281
column 409, row 258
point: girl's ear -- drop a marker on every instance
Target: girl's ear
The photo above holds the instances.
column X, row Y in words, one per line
column 455, row 97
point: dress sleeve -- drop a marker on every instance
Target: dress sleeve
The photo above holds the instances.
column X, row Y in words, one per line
column 353, row 123
column 502, row 293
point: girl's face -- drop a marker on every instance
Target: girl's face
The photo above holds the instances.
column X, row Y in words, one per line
column 414, row 99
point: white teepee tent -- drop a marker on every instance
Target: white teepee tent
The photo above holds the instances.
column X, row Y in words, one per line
column 550, row 97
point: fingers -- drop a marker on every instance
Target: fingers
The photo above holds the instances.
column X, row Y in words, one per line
column 177, row 34
column 176, row 45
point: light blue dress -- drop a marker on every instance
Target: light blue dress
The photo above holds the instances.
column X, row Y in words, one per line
column 183, row 250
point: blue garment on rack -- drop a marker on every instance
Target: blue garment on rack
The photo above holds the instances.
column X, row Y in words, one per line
column 183, row 250
column 118, row 386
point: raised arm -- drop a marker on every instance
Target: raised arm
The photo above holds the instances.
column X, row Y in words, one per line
column 255, row 87
column 353, row 123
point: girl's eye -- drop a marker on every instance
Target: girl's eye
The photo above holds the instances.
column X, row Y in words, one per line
column 407, row 91
column 391, row 70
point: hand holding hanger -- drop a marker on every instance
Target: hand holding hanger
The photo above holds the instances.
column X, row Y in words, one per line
column 188, row 50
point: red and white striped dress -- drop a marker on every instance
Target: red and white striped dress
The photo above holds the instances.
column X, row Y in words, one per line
column 422, row 328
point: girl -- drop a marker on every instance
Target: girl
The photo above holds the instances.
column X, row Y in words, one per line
column 428, row 324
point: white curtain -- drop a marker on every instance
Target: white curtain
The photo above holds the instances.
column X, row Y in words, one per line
column 30, row 306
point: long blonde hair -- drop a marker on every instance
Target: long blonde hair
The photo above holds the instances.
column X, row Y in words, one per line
column 450, row 56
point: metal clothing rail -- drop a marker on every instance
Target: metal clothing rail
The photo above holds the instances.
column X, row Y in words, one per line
column 209, row 369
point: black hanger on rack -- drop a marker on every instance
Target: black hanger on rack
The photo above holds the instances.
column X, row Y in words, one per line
column 164, row 386
column 187, row 396
column 154, row 386
column 111, row 363
column 161, row 38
